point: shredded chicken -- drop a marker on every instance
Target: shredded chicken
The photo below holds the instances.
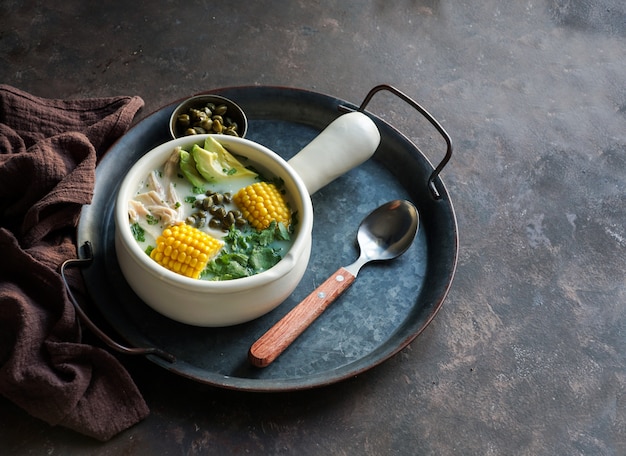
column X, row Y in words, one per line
column 151, row 198
column 136, row 210
column 166, row 215
column 138, row 213
column 170, row 169
column 155, row 206
column 154, row 184
column 174, row 200
column 161, row 202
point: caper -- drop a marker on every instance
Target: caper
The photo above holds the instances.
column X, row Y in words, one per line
column 214, row 209
column 215, row 223
column 195, row 220
column 218, row 198
column 220, row 212
column 183, row 120
column 207, row 203
column 221, row 110
column 217, row 126
column 208, row 119
column 229, row 220
column 207, row 124
column 227, row 197
column 240, row 221
column 194, row 114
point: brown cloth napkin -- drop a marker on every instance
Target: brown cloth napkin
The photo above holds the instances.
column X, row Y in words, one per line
column 48, row 154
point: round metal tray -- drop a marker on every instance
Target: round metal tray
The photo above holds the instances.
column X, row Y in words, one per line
column 384, row 310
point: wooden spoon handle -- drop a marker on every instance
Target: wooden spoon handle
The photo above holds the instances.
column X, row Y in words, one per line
column 271, row 344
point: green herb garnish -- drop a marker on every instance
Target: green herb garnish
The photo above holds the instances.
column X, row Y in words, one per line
column 246, row 253
column 138, row 232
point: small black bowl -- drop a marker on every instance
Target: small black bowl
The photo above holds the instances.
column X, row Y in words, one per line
column 234, row 113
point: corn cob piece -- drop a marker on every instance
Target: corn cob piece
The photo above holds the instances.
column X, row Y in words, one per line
column 261, row 203
column 185, row 250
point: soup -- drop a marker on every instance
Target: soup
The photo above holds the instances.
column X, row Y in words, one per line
column 237, row 221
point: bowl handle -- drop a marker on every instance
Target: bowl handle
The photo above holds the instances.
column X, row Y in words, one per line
column 84, row 262
column 345, row 143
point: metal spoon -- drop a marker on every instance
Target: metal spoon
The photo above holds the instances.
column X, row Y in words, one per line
column 384, row 234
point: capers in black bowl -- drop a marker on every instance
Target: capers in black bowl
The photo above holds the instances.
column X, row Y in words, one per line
column 208, row 114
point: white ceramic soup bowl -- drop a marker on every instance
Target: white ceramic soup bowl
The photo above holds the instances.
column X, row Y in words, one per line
column 229, row 302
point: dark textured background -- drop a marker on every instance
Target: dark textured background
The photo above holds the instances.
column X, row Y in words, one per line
column 528, row 354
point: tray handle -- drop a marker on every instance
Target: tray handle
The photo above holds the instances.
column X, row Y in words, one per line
column 84, row 262
column 433, row 176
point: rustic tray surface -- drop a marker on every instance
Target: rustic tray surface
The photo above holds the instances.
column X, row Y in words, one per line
column 387, row 307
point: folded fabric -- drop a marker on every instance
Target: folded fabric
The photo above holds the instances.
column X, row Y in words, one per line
column 48, row 153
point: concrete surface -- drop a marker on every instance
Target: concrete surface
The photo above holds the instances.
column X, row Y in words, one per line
column 528, row 354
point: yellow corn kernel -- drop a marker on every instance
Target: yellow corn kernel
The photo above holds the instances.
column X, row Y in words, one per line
column 185, row 250
column 261, row 203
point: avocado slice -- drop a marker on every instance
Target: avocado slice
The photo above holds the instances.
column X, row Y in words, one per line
column 189, row 170
column 214, row 162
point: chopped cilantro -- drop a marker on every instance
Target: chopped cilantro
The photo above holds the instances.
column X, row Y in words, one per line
column 277, row 181
column 190, row 199
column 294, row 222
column 149, row 250
column 138, row 233
column 246, row 253
column 263, row 258
column 283, row 232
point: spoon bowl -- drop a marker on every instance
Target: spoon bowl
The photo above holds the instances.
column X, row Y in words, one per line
column 384, row 234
